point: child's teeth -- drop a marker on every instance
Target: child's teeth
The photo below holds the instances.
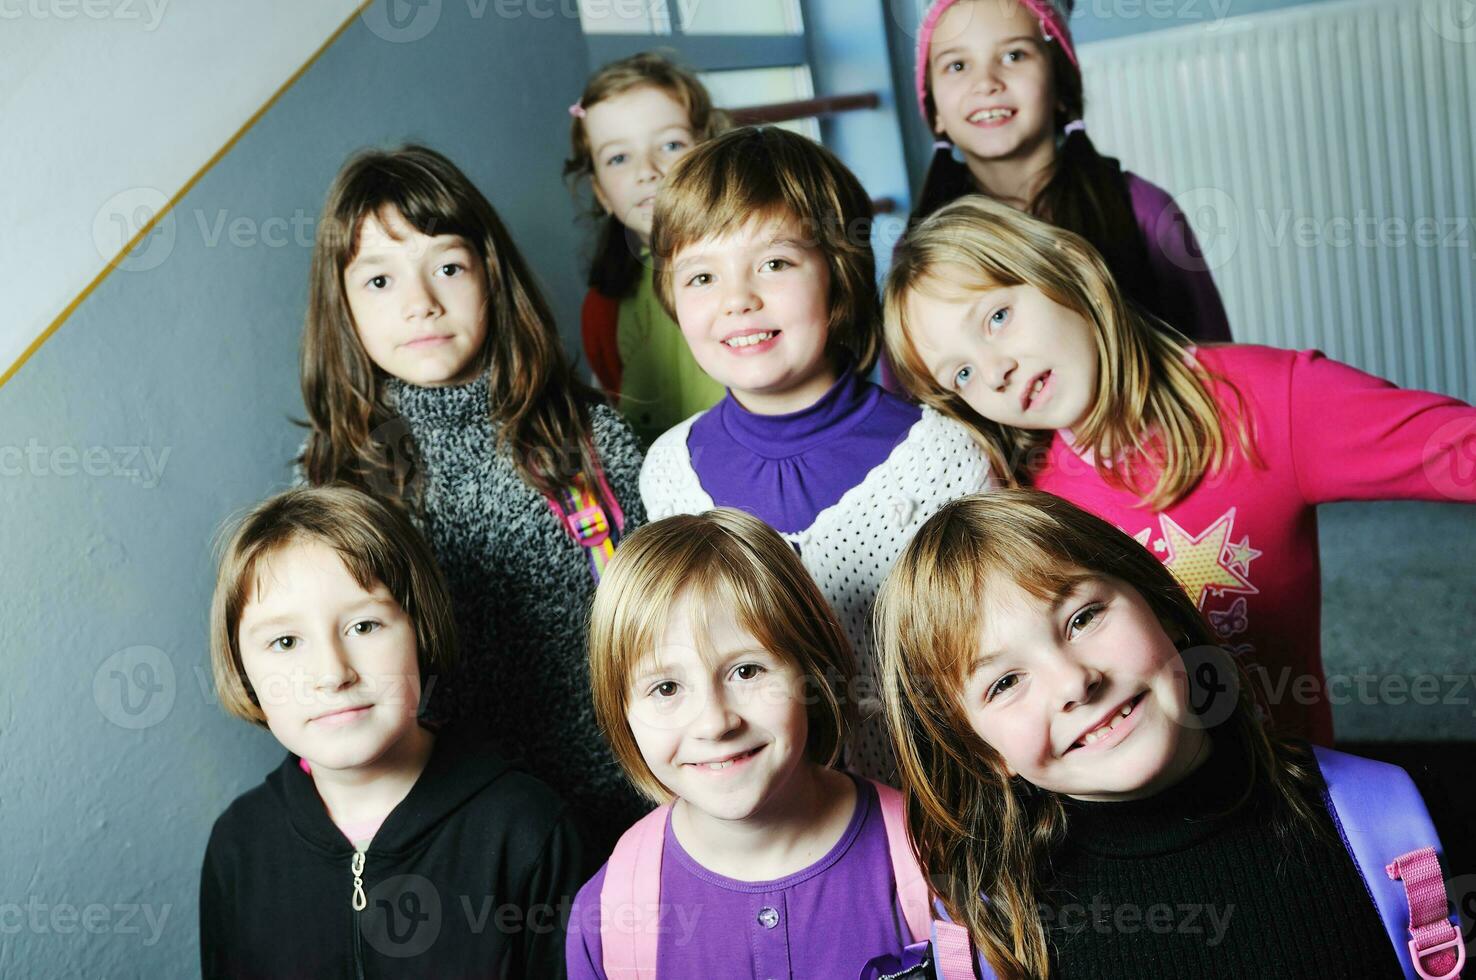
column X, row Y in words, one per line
column 750, row 340
column 720, row 765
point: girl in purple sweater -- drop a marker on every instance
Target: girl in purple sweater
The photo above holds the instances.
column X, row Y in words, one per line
column 721, row 679
column 1000, row 86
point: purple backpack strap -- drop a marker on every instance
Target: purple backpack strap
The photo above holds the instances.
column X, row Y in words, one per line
column 630, row 900
column 1383, row 820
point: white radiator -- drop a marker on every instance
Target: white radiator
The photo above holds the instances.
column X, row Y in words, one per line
column 1324, row 155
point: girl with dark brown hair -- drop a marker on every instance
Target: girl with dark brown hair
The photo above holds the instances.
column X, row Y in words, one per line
column 433, row 377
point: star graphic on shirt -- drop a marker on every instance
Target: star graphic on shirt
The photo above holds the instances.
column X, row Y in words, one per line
column 1200, row 563
column 1242, row 554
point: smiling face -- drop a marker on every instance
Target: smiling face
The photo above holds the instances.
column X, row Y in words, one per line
column 725, row 731
column 419, row 303
column 754, row 307
column 1082, row 697
column 333, row 665
column 635, row 138
column 990, row 76
column 1015, row 356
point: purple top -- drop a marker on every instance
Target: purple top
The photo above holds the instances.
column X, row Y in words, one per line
column 828, row 920
column 786, row 469
column 1186, row 288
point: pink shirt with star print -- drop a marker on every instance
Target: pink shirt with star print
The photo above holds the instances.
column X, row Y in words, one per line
column 1243, row 542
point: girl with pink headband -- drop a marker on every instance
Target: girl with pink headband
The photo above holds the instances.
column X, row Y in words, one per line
column 1000, row 86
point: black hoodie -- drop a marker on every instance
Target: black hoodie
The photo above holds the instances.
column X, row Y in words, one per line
column 471, row 875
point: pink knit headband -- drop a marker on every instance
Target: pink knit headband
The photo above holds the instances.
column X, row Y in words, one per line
column 1052, row 23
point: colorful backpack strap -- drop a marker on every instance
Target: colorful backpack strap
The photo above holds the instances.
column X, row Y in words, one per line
column 630, row 900
column 1383, row 820
column 583, row 512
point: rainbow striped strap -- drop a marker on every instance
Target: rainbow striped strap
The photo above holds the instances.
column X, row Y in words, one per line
column 584, row 517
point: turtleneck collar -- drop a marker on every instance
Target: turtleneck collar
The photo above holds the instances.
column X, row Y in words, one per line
column 443, row 407
column 1192, row 810
column 844, row 406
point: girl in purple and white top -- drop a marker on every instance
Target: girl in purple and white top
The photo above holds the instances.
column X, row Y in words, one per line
column 719, row 677
column 1000, row 86
column 766, row 264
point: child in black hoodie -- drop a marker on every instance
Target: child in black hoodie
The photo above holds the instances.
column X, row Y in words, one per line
column 378, row 848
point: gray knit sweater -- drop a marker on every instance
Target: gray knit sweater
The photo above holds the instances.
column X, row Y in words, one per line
column 522, row 589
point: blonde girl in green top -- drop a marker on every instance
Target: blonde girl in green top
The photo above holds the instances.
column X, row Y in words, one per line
column 636, row 118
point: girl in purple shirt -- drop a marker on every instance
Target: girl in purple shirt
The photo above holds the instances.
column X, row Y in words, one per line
column 1000, row 86
column 720, row 678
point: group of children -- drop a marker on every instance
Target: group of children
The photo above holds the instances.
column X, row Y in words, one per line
column 766, row 590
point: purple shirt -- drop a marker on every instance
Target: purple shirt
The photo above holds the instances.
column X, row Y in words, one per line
column 786, row 469
column 1186, row 289
column 827, row 921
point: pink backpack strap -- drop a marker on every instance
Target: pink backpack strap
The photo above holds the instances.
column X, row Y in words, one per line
column 1382, row 819
column 912, row 887
column 1435, row 946
column 953, row 954
column 630, row 900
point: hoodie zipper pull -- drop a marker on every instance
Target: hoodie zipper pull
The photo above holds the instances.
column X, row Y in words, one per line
column 359, row 900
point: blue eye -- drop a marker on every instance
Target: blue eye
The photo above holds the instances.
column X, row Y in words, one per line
column 616, row 160
column 674, row 146
column 998, row 319
column 953, row 66
column 962, row 378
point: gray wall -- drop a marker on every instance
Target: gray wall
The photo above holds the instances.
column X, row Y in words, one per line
column 114, row 757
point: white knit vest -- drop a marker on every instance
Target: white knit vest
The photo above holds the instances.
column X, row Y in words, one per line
column 851, row 545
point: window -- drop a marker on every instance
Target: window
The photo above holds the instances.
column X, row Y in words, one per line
column 747, row 53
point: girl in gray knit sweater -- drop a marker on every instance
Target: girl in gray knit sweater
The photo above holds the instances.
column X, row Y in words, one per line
column 433, row 377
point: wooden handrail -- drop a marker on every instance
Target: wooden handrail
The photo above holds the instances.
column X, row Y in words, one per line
column 778, row 112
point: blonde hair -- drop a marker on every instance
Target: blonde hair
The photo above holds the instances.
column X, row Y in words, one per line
column 617, row 265
column 1154, row 427
column 377, row 543
column 721, row 558
column 981, row 835
column 765, row 172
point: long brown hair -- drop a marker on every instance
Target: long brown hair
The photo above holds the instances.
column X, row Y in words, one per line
column 617, row 263
column 982, row 836
column 1154, row 428
column 1085, row 192
column 539, row 408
